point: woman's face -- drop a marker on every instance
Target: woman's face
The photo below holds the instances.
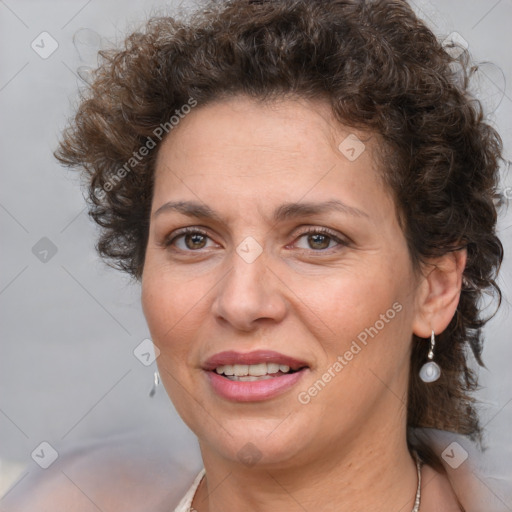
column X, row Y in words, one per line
column 293, row 250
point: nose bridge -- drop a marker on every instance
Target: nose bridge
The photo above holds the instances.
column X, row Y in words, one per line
column 248, row 292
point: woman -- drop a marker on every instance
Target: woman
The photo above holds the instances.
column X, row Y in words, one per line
column 306, row 192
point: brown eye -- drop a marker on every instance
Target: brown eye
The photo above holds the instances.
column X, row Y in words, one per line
column 188, row 240
column 319, row 241
column 195, row 241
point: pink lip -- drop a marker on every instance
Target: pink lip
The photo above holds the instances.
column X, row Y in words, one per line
column 241, row 391
column 255, row 357
column 255, row 391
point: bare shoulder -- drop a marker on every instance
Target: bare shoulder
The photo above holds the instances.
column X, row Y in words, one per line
column 116, row 476
column 465, row 479
column 437, row 493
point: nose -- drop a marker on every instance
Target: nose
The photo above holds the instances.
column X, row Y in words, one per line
column 249, row 295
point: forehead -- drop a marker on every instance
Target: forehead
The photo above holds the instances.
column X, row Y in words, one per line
column 245, row 147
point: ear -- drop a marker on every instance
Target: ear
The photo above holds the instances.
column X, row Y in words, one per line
column 438, row 293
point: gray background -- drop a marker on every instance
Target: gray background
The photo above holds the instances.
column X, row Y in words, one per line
column 68, row 374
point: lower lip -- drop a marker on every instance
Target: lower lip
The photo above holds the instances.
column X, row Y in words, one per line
column 254, row 391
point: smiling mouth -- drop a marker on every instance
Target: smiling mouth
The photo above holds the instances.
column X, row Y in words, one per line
column 255, row 372
column 253, row 376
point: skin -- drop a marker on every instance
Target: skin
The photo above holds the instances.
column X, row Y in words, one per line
column 304, row 296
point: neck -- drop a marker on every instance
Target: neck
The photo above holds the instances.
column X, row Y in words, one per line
column 356, row 477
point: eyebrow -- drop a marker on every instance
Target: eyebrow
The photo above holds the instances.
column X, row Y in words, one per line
column 283, row 212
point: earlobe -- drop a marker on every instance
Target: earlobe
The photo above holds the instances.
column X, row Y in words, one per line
column 438, row 293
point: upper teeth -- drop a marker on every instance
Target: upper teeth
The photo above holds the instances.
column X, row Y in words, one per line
column 257, row 370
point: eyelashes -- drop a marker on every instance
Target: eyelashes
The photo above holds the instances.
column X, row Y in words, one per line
column 186, row 233
column 319, row 236
column 194, row 239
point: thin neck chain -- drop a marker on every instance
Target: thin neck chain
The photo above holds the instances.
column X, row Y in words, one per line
column 417, row 500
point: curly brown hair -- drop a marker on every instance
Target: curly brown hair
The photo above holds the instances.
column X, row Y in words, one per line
column 381, row 70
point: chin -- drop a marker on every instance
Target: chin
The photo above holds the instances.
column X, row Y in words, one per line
column 258, row 444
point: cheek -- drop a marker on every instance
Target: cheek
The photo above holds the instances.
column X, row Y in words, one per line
column 166, row 309
column 175, row 307
column 165, row 305
column 362, row 329
column 364, row 317
column 351, row 301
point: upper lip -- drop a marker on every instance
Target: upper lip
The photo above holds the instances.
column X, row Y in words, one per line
column 232, row 357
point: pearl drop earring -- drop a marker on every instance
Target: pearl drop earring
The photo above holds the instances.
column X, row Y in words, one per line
column 156, row 383
column 430, row 371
